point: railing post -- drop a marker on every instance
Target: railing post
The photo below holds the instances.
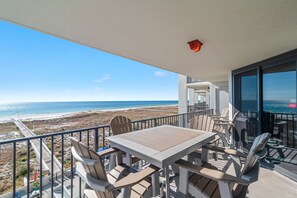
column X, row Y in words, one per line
column 184, row 120
column 14, row 170
column 96, row 140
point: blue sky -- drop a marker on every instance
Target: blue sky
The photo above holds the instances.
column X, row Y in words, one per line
column 39, row 67
column 276, row 86
column 279, row 86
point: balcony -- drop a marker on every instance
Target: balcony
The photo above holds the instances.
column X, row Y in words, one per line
column 193, row 80
column 58, row 174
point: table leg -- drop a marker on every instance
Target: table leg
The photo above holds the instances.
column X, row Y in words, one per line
column 156, row 183
column 112, row 161
column 204, row 155
column 128, row 159
column 119, row 157
column 183, row 180
column 166, row 171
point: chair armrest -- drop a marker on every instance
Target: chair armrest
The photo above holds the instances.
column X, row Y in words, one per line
column 218, row 118
column 228, row 151
column 107, row 152
column 210, row 173
column 216, row 139
column 134, row 178
column 224, row 123
column 261, row 154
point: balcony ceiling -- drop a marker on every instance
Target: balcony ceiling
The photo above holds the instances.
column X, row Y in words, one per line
column 199, row 86
column 235, row 33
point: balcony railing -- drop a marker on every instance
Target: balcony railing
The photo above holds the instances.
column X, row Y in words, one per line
column 198, row 107
column 283, row 127
column 193, row 80
column 52, row 181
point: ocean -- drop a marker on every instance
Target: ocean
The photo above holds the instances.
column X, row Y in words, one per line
column 43, row 108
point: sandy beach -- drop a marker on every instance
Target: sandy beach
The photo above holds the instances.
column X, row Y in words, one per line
column 57, row 123
column 49, row 123
column 93, row 118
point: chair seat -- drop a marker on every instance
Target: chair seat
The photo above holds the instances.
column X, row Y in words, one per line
column 204, row 185
column 138, row 190
column 120, row 171
column 208, row 187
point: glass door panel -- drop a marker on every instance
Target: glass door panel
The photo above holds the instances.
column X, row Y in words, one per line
column 279, row 102
column 247, row 100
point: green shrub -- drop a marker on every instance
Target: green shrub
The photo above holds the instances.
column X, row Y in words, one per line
column 22, row 171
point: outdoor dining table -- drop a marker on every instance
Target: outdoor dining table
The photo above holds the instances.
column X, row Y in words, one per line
column 162, row 146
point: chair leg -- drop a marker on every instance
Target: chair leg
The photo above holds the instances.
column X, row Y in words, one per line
column 204, row 154
column 216, row 153
column 225, row 189
column 126, row 192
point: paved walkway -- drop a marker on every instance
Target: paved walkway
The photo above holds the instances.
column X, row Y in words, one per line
column 46, row 153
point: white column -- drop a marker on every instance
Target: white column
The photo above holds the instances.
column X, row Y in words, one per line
column 207, row 98
column 182, row 94
column 191, row 97
column 230, row 95
column 212, row 96
column 195, row 98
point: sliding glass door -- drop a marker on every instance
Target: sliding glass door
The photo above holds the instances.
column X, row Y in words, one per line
column 265, row 95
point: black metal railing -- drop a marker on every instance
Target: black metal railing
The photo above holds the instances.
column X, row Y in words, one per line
column 50, row 181
column 283, row 126
column 198, row 107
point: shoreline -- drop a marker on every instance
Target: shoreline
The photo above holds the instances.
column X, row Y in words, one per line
column 48, row 116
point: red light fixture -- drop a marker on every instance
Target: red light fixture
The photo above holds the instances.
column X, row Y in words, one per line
column 195, row 45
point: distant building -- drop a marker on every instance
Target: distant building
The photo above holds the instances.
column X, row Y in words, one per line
column 196, row 94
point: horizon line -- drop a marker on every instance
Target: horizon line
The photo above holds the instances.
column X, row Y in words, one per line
column 87, row 101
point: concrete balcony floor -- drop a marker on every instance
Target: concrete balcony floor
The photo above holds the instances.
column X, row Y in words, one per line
column 273, row 185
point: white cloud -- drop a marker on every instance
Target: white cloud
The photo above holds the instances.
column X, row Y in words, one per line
column 160, row 73
column 102, row 79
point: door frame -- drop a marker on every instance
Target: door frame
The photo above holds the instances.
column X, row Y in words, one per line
column 290, row 56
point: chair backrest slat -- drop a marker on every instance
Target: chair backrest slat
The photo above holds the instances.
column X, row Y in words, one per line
column 120, row 124
column 199, row 121
column 225, row 112
column 202, row 122
column 97, row 170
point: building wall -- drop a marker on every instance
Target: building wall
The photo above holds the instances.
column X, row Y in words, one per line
column 221, row 95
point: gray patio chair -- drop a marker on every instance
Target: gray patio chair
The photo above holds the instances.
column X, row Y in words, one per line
column 223, row 116
column 208, row 181
column 121, row 181
column 120, row 125
column 203, row 123
column 224, row 129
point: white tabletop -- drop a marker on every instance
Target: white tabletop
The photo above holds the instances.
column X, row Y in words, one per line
column 162, row 145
